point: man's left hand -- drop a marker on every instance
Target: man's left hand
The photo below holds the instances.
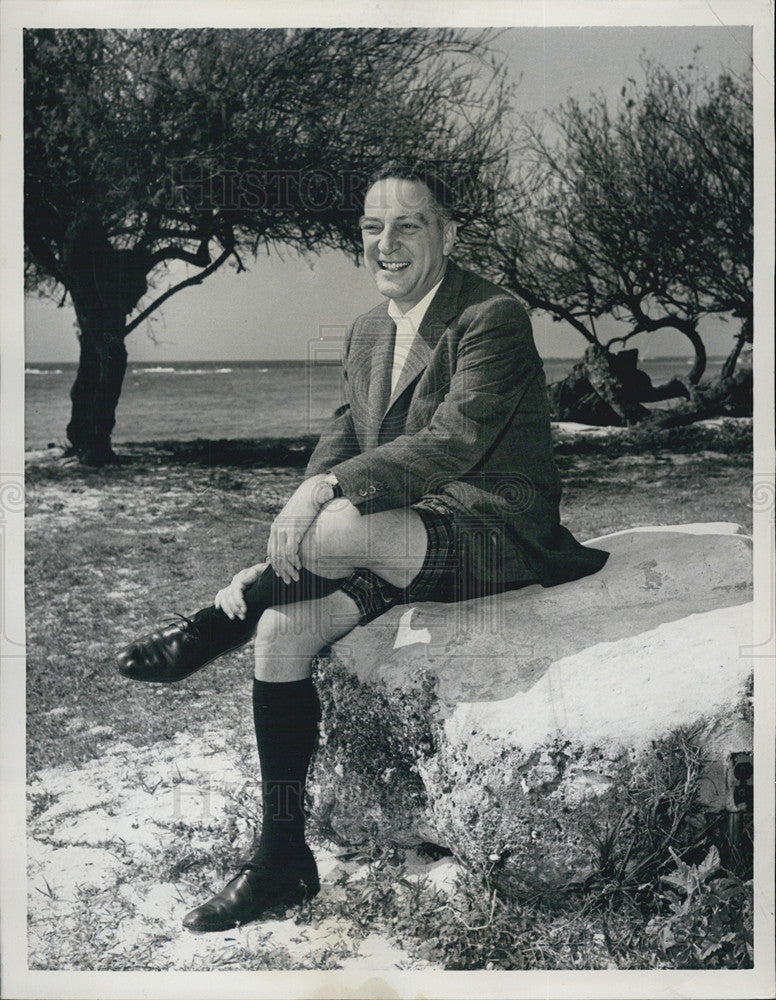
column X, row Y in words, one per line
column 290, row 526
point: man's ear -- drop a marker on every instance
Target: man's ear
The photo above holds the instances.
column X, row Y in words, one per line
column 448, row 237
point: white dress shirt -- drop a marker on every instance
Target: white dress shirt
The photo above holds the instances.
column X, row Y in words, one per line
column 407, row 325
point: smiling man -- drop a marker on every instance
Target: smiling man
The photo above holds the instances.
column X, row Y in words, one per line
column 407, row 239
column 434, row 481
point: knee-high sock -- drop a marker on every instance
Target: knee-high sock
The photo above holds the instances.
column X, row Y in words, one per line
column 270, row 590
column 286, row 718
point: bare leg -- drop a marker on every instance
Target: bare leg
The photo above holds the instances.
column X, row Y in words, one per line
column 287, row 638
column 391, row 544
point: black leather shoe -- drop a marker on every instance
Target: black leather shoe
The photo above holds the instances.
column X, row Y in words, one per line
column 177, row 650
column 258, row 888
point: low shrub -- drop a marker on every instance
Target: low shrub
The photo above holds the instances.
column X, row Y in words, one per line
column 706, row 916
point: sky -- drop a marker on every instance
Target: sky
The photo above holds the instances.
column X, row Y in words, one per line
column 288, row 307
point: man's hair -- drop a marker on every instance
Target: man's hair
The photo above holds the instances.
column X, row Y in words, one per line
column 443, row 199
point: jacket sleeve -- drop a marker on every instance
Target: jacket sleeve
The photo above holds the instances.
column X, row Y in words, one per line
column 339, row 440
column 496, row 362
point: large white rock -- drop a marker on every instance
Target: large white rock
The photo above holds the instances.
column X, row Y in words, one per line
column 517, row 726
column 627, row 692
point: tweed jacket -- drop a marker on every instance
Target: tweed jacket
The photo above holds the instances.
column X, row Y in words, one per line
column 468, row 420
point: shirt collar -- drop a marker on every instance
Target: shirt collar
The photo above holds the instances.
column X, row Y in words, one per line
column 418, row 311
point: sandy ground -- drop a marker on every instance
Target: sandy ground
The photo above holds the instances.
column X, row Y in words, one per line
column 98, row 837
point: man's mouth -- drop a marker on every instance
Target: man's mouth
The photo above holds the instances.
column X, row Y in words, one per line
column 389, row 265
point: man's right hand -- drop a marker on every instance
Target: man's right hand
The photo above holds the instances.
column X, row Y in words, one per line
column 230, row 599
column 292, row 523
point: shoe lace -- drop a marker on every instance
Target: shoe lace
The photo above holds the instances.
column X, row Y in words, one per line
column 189, row 628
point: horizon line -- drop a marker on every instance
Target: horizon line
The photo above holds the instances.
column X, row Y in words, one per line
column 322, row 362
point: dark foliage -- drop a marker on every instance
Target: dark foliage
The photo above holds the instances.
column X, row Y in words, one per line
column 642, row 212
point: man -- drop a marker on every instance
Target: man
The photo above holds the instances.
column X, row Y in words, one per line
column 435, row 481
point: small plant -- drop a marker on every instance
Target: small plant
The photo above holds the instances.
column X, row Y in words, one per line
column 708, row 923
column 38, row 803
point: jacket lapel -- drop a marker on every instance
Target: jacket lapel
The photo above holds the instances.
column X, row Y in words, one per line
column 417, row 361
column 382, row 337
column 443, row 308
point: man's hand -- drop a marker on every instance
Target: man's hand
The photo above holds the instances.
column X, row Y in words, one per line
column 230, row 599
column 289, row 527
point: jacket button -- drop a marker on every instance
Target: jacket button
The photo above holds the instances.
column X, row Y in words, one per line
column 362, row 493
column 372, row 489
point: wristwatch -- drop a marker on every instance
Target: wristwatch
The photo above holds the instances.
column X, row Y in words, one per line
column 336, row 490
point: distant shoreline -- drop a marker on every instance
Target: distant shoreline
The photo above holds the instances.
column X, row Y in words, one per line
column 225, row 363
column 225, row 399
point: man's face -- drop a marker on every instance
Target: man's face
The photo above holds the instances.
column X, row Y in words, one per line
column 405, row 240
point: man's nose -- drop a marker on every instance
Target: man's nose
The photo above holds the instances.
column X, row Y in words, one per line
column 387, row 242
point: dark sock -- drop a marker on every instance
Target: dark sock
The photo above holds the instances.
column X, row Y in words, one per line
column 267, row 592
column 286, row 717
column 270, row 591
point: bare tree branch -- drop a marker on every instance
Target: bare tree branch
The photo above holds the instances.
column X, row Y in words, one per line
column 196, row 279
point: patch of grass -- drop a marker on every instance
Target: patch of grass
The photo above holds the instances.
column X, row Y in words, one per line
column 109, row 927
column 93, row 937
column 248, row 452
column 698, row 917
column 38, row 803
column 730, row 437
column 603, row 494
column 151, row 541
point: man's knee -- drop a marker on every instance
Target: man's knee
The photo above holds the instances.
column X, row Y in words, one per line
column 280, row 629
column 283, row 646
column 333, row 541
column 287, row 638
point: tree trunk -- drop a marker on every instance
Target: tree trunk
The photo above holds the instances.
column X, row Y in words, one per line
column 105, row 284
column 699, row 365
column 723, row 397
column 744, row 336
column 599, row 370
column 95, row 394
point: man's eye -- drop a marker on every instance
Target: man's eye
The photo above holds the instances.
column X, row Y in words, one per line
column 409, row 227
column 370, row 229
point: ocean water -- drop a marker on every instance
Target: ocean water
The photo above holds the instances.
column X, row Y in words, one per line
column 223, row 399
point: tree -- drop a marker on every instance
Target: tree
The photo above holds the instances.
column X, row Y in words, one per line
column 643, row 213
column 149, row 146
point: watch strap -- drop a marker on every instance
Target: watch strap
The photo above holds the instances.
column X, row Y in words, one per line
column 336, row 489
